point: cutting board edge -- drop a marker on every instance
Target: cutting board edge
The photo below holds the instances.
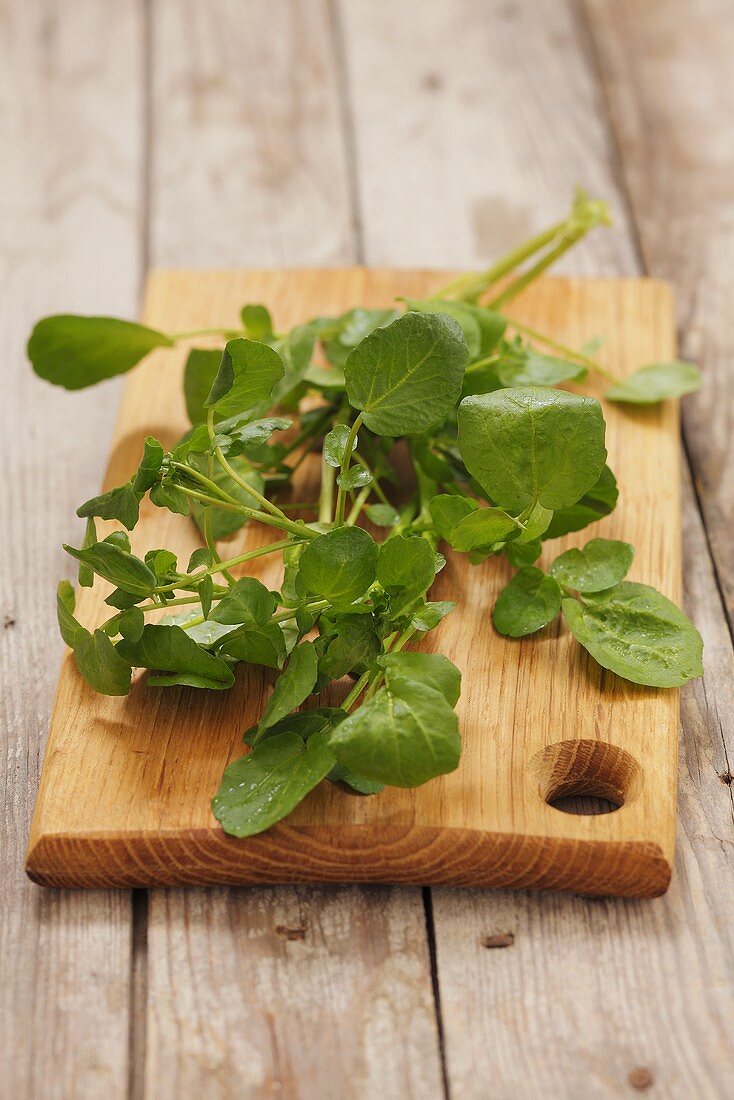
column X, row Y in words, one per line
column 397, row 854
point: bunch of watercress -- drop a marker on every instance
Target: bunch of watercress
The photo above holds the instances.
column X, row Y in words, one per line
column 501, row 461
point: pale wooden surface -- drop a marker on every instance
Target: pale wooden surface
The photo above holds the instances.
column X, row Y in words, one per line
column 125, row 789
column 120, row 138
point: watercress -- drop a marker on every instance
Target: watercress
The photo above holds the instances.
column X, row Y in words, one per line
column 502, row 462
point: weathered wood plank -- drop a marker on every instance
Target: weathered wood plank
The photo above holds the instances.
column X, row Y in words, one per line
column 70, row 109
column 473, row 123
column 503, row 97
column 666, row 69
column 249, row 167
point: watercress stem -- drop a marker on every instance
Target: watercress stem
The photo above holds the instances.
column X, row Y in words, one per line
column 229, row 333
column 519, row 284
column 562, row 349
column 326, row 492
column 263, row 501
column 359, row 504
column 346, row 460
column 356, row 691
column 195, row 578
column 468, row 288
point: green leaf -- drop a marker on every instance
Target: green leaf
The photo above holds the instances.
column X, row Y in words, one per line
column 430, row 615
column 536, row 524
column 247, row 602
column 199, row 374
column 263, row 787
column 523, row 366
column 351, row 329
column 150, row 465
column 448, row 509
column 484, row 527
column 482, row 328
column 257, row 646
column 163, row 563
column 122, row 504
column 75, row 352
column 131, row 624
column 636, row 632
column 65, row 604
column 598, row 502
column 351, row 646
column 433, row 669
column 340, row 774
column 247, row 373
column 170, row 650
column 382, row 515
column 656, row 382
column 404, row 735
column 117, row 566
column 303, row 722
column 206, row 595
column 224, row 522
column 100, row 663
column 408, row 375
column 335, row 445
column 166, row 495
column 292, row 687
column 86, row 575
column 356, row 477
column 529, row 602
column 257, row 322
column 406, row 568
column 252, row 439
column 521, row 554
column 339, row 566
column 122, row 600
column 531, row 444
column 601, row 564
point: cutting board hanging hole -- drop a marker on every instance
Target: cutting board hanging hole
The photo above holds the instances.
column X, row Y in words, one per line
column 586, row 777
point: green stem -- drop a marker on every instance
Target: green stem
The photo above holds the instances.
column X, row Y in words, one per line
column 228, row 332
column 340, row 495
column 284, row 616
column 208, row 534
column 562, row 349
column 213, row 502
column 212, row 486
column 359, row 504
column 195, row 578
column 326, row 492
column 482, row 363
column 264, row 503
column 356, row 691
column 519, row 284
column 472, row 286
column 193, row 622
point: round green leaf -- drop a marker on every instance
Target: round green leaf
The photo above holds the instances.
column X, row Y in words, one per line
column 532, row 444
column 339, row 566
column 405, row 735
column 601, row 564
column 406, row 376
column 529, row 602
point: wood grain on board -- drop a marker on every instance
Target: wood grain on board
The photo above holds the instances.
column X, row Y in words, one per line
column 250, row 166
column 127, row 783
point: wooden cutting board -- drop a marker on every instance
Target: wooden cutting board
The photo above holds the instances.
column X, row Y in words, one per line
column 126, row 783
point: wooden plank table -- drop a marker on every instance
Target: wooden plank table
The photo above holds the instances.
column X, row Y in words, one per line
column 417, row 133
